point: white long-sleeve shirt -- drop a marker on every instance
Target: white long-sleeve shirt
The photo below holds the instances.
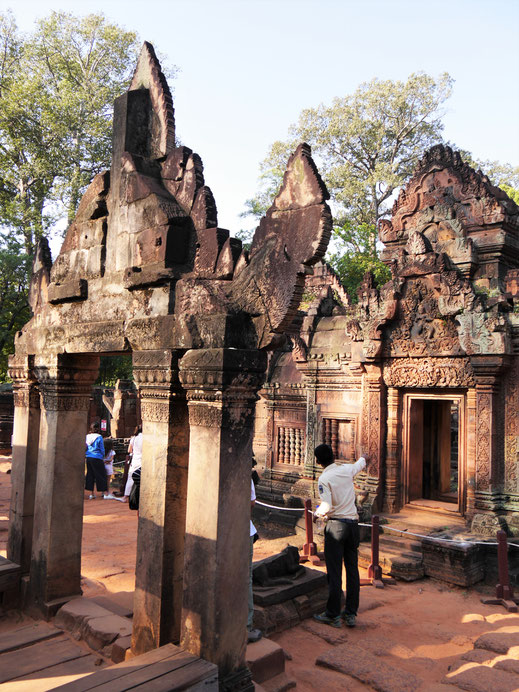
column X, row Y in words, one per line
column 337, row 492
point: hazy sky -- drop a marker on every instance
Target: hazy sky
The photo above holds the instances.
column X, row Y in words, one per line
column 248, row 67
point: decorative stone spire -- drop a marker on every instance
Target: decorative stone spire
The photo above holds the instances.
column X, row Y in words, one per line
column 148, row 75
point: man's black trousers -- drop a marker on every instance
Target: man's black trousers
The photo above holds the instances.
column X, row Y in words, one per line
column 95, row 472
column 341, row 542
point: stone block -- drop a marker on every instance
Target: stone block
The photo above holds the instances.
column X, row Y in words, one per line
column 482, row 679
column 71, row 616
column 98, row 632
column 265, row 659
column 457, row 563
column 369, row 669
column 280, row 683
column 119, row 648
column 77, row 289
column 305, row 582
column 498, row 642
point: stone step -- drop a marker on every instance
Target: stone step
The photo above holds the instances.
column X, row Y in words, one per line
column 474, row 677
column 368, row 668
column 265, row 659
column 280, row 683
column 97, row 626
column 401, row 564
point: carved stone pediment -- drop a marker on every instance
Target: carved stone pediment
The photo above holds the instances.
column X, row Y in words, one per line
column 423, row 373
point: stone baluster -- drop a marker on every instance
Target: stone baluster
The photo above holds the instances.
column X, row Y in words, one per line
column 65, row 384
column 26, row 432
column 162, row 506
column 221, row 387
column 334, row 443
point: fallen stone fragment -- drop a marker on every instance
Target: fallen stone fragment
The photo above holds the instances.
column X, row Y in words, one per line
column 329, row 634
column 479, row 656
column 371, row 670
column 500, row 642
column 101, row 631
column 509, row 664
column 72, row 615
column 484, row 678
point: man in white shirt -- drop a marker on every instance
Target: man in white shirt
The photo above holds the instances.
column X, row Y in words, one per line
column 341, row 535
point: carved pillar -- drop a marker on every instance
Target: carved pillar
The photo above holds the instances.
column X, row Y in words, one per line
column 471, row 452
column 312, row 426
column 392, row 498
column 26, row 433
column 162, row 505
column 65, row 384
column 221, row 387
column 489, row 435
column 373, row 411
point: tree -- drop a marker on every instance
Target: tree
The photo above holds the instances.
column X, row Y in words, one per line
column 57, row 88
column 366, row 146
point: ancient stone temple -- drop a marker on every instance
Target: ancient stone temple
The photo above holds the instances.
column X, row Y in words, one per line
column 144, row 269
column 422, row 375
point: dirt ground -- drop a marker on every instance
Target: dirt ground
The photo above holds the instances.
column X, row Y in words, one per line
column 420, row 628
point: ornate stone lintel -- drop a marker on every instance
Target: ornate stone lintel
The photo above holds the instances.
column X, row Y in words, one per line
column 429, row 372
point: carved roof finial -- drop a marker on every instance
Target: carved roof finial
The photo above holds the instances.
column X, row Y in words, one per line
column 148, row 75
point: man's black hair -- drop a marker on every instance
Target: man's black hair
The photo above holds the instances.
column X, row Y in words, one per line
column 324, row 455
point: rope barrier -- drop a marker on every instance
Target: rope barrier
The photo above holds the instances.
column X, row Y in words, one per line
column 390, row 528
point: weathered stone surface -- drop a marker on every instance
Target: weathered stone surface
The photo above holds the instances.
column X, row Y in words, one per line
column 476, row 678
column 98, row 632
column 510, row 664
column 73, row 614
column 70, row 290
column 328, row 634
column 500, row 642
column 354, row 661
column 457, row 563
column 119, row 648
column 265, row 659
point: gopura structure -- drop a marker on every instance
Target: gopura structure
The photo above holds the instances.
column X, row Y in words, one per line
column 423, row 374
column 145, row 269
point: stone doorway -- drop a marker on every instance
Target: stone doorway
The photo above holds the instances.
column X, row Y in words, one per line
column 434, row 451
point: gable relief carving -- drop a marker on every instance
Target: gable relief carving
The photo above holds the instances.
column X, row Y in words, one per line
column 429, row 372
column 420, row 329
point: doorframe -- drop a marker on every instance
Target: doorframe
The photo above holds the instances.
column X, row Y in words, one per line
column 442, row 395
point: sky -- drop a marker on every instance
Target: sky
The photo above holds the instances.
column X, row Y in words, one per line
column 247, row 68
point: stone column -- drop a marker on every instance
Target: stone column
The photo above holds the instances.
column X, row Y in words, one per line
column 162, row 505
column 65, row 383
column 312, row 425
column 489, row 434
column 470, row 463
column 392, row 498
column 26, row 433
column 373, row 415
column 221, row 387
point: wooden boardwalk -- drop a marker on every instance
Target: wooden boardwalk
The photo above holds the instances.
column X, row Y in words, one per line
column 37, row 657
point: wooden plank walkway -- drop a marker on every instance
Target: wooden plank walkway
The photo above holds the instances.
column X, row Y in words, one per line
column 160, row 670
column 38, row 657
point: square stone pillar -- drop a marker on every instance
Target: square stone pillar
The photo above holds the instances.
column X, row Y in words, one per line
column 373, row 433
column 489, row 433
column 221, row 389
column 162, row 506
column 65, row 383
column 26, row 433
column 393, row 499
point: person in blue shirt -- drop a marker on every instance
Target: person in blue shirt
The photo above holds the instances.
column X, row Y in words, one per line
column 95, row 452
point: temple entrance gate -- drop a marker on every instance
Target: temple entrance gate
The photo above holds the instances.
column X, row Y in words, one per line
column 145, row 270
column 433, row 450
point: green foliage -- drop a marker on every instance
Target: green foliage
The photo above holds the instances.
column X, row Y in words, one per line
column 113, row 368
column 355, row 255
column 14, row 308
column 57, row 87
column 365, row 145
column 512, row 192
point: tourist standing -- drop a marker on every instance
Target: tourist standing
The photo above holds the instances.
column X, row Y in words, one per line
column 341, row 535
column 108, row 461
column 135, row 449
column 95, row 452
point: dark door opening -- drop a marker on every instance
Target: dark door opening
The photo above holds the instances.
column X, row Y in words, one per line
column 433, row 444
